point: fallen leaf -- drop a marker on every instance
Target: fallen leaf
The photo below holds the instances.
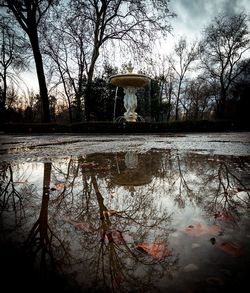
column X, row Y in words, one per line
column 233, row 191
column 190, row 268
column 59, row 185
column 109, row 213
column 114, row 236
column 119, row 279
column 78, row 225
column 200, row 229
column 157, row 250
column 113, row 194
column 215, row 281
column 231, row 248
column 223, row 216
column 81, row 226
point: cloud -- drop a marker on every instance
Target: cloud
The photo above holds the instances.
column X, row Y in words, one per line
column 194, row 15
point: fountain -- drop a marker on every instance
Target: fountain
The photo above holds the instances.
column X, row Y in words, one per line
column 130, row 82
column 136, row 172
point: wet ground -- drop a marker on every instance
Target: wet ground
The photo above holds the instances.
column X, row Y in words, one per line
column 125, row 213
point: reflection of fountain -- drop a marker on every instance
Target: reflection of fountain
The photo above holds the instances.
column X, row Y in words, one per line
column 131, row 160
column 130, row 82
column 136, row 173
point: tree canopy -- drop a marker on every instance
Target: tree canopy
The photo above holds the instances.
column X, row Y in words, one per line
column 226, row 41
column 77, row 45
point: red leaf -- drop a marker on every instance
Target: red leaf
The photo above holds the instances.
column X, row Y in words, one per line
column 113, row 236
column 157, row 250
column 231, row 248
column 59, row 185
column 109, row 213
column 113, row 194
column 78, row 225
column 200, row 229
column 223, row 216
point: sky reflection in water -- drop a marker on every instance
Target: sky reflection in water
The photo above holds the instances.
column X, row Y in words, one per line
column 127, row 222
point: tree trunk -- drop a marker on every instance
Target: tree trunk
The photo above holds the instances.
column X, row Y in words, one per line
column 169, row 100
column 87, row 101
column 3, row 98
column 89, row 84
column 40, row 75
column 177, row 101
column 222, row 105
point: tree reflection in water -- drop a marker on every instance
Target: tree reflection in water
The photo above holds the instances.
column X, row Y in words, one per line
column 42, row 244
column 11, row 197
column 119, row 264
column 106, row 221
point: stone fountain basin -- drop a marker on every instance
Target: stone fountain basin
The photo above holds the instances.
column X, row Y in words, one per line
column 127, row 80
column 132, row 177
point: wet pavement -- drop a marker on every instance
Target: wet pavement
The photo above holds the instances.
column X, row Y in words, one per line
column 125, row 213
column 37, row 147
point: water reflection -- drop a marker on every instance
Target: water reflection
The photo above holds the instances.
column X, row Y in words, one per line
column 136, row 171
column 130, row 221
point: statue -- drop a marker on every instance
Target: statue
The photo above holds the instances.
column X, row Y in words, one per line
column 130, row 104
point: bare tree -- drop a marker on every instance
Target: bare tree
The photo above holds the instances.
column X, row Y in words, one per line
column 185, row 55
column 29, row 15
column 89, row 25
column 225, row 43
column 12, row 58
column 58, row 50
column 200, row 98
column 167, row 80
column 163, row 72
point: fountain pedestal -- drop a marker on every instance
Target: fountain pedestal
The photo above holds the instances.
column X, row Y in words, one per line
column 130, row 82
column 130, row 104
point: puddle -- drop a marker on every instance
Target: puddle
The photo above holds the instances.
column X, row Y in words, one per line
column 158, row 221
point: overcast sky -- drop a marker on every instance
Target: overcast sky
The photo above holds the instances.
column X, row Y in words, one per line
column 194, row 15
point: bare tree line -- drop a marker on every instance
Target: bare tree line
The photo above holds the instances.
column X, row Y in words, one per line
column 72, row 43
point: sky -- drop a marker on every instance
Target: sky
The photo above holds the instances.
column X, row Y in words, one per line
column 192, row 17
